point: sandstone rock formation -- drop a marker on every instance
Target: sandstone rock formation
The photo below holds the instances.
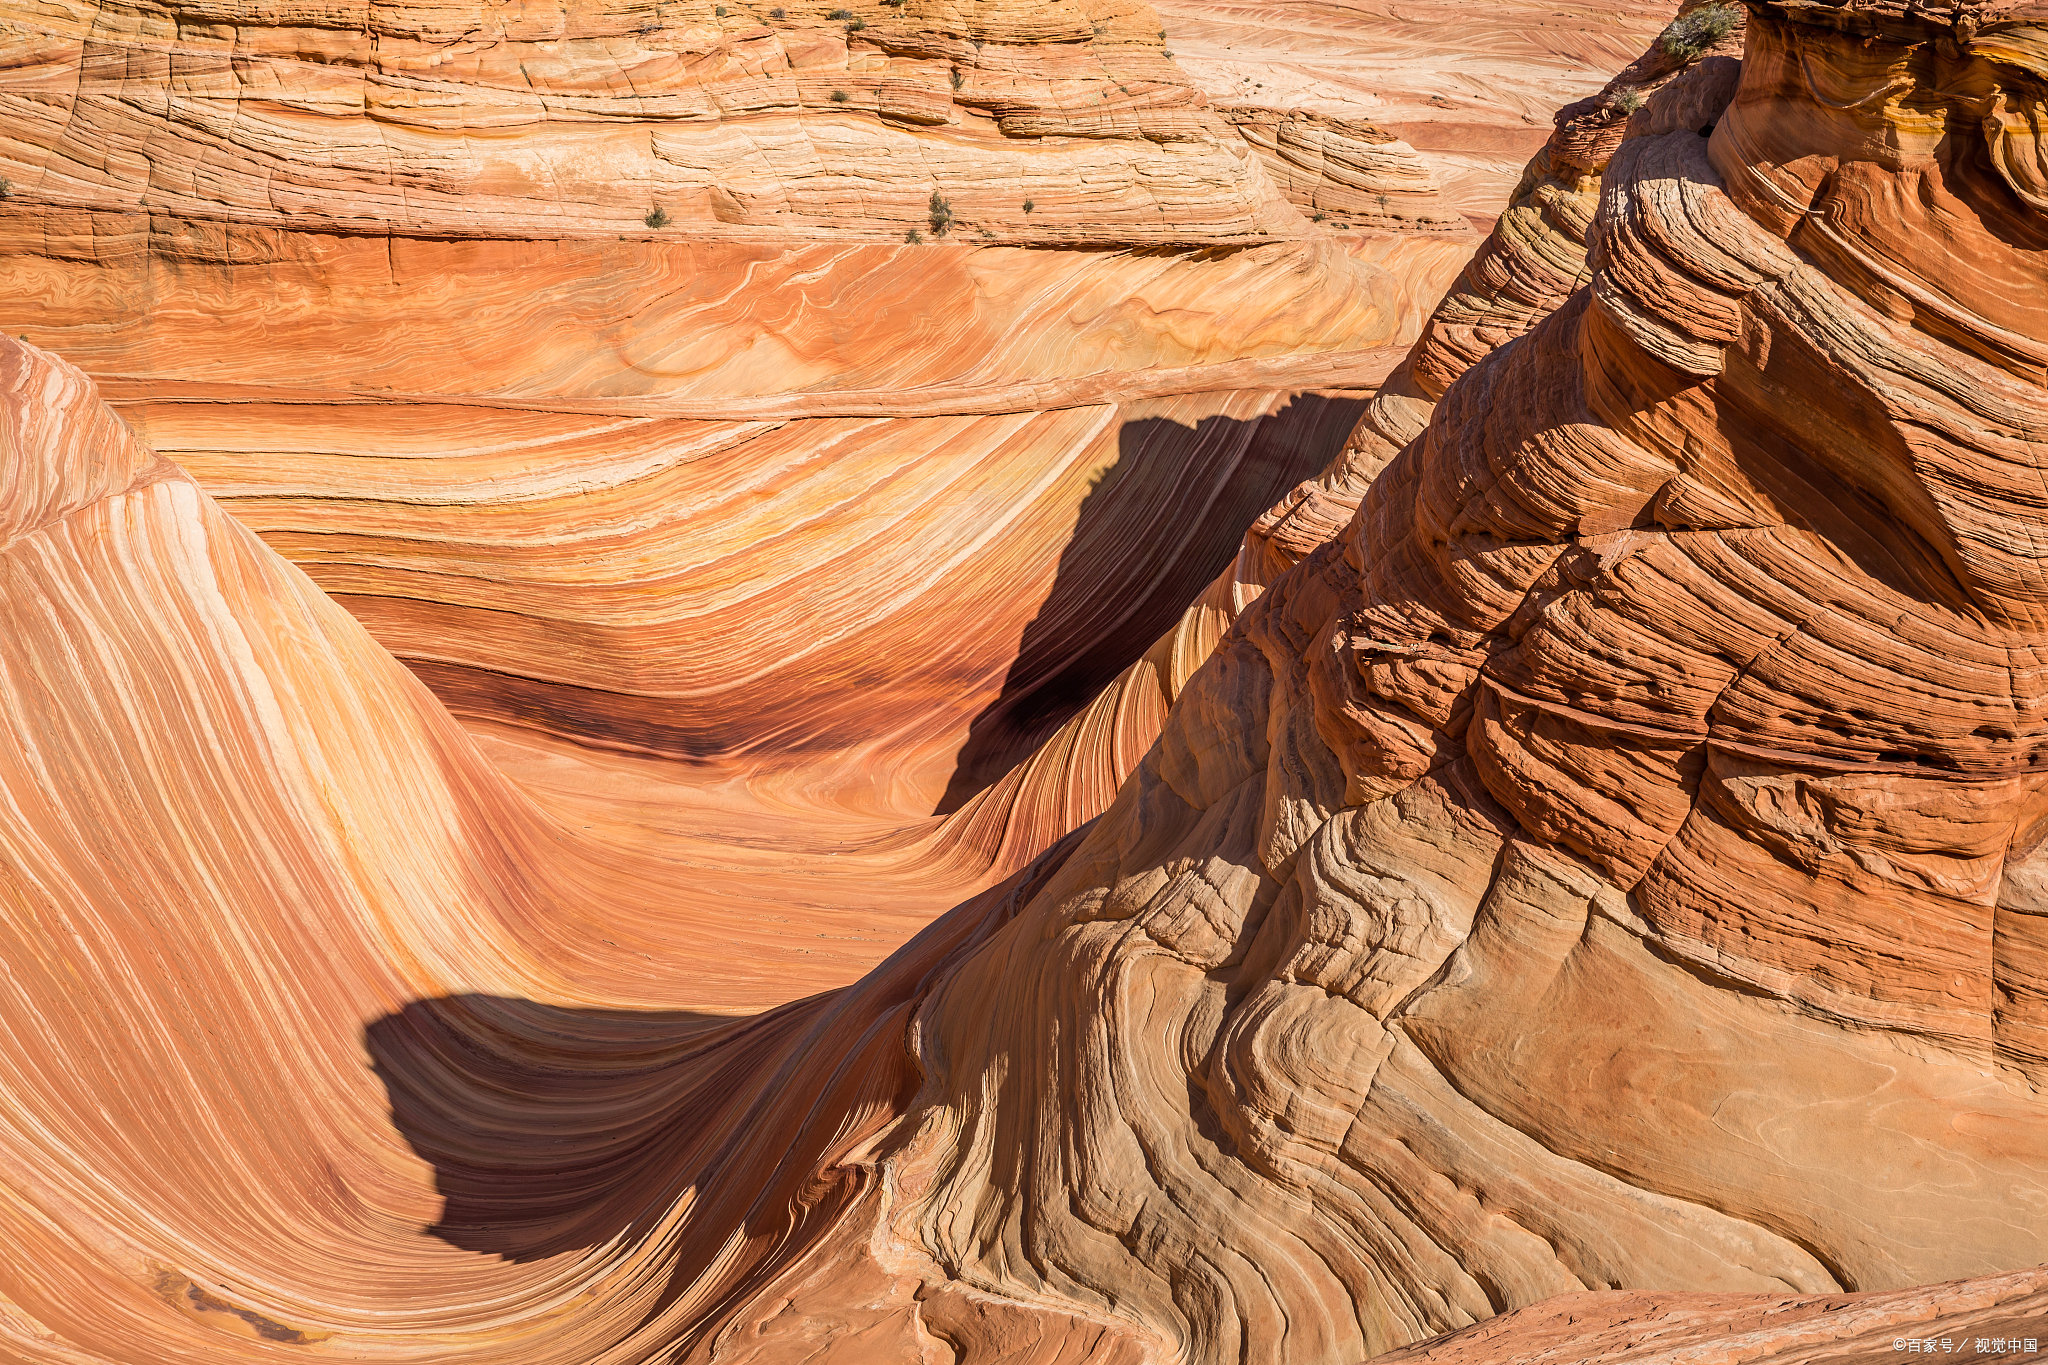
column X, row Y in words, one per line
column 1623, row 746
column 1473, row 88
column 1527, row 266
column 505, row 421
column 364, row 271
column 1345, row 170
column 1999, row 1315
column 1609, row 859
column 1043, row 121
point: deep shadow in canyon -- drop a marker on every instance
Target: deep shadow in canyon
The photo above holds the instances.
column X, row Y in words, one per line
column 1136, row 559
column 548, row 1129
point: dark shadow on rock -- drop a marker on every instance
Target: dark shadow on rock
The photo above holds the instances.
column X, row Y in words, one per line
column 553, row 1130
column 549, row 1129
column 1153, row 532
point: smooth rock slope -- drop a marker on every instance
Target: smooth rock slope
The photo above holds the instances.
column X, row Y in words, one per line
column 386, row 282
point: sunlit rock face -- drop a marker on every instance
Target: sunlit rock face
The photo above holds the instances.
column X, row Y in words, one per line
column 1473, row 88
column 1628, row 882
column 1606, row 859
column 1050, row 122
column 532, row 121
column 1993, row 1315
column 585, row 357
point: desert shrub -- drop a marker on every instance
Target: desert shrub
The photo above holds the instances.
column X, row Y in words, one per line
column 6, row 187
column 913, row 236
column 720, row 11
column 840, row 97
column 958, row 79
column 1692, row 34
column 1028, row 206
column 840, row 14
column 777, row 14
column 941, row 213
column 1628, row 101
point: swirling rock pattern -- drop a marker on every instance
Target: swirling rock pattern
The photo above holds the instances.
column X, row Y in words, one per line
column 1535, row 255
column 1608, row 861
column 554, row 535
column 1643, row 801
column 509, row 432
column 294, row 245
column 1994, row 1316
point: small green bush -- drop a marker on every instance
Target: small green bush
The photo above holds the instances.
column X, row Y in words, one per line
column 658, row 218
column 913, row 236
column 941, row 213
column 6, row 188
column 777, row 14
column 1028, row 206
column 840, row 97
column 1692, row 34
column 840, row 14
column 1628, row 101
column 720, row 11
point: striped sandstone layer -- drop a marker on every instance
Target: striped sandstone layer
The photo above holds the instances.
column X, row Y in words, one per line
column 1057, row 122
column 1609, row 861
column 620, row 492
column 1529, row 264
column 1471, row 88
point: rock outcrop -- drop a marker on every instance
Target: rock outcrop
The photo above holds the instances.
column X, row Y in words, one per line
column 1624, row 828
column 1047, row 123
column 1999, row 1315
column 504, row 420
column 1607, row 860
column 1529, row 264
column 1472, row 89
column 1345, row 170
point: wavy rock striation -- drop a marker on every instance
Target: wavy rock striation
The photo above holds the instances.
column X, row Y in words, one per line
column 1993, row 1316
column 1529, row 264
column 1660, row 729
column 1472, row 90
column 380, row 279
column 1609, row 861
column 1049, row 123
